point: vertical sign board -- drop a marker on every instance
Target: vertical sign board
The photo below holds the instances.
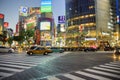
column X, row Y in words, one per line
column 61, row 19
column 6, row 24
column 46, row 6
column 1, row 22
column 117, row 11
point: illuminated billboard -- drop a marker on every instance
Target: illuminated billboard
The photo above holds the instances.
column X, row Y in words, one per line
column 61, row 19
column 1, row 22
column 34, row 10
column 45, row 35
column 44, row 25
column 118, row 11
column 30, row 22
column 30, row 26
column 6, row 24
column 1, row 16
column 62, row 28
column 46, row 5
column 23, row 11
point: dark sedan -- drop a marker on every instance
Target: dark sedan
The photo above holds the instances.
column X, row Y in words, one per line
column 90, row 49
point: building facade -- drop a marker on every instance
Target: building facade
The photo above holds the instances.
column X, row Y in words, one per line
column 87, row 22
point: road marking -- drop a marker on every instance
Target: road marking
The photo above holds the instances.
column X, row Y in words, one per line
column 3, row 74
column 17, row 63
column 109, row 67
column 11, row 69
column 73, row 77
column 103, row 73
column 92, row 76
column 113, row 65
column 116, row 63
column 23, row 61
column 17, row 66
column 53, row 78
column 99, row 68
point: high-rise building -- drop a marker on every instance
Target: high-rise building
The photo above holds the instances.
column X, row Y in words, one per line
column 115, row 18
column 88, row 18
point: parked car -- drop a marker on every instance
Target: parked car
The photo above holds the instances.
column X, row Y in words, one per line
column 90, row 49
column 108, row 48
column 6, row 49
column 57, row 49
column 39, row 50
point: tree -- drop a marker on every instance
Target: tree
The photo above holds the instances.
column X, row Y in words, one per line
column 10, row 40
column 3, row 37
column 20, row 38
column 28, row 34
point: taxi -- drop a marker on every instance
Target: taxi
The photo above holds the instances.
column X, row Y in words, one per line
column 39, row 50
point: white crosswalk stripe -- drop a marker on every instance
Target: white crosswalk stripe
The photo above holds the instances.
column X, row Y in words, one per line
column 104, row 66
column 73, row 77
column 93, row 76
column 99, row 68
column 17, row 66
column 53, row 78
column 101, row 72
column 112, row 67
column 5, row 74
column 11, row 69
column 16, row 63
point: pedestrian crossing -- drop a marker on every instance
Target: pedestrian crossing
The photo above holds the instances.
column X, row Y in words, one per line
column 9, row 66
column 12, row 64
column 108, row 71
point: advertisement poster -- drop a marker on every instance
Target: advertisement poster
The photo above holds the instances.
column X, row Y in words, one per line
column 45, row 35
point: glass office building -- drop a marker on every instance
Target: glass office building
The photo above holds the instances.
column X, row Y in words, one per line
column 87, row 21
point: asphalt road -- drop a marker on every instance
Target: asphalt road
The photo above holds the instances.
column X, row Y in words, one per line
column 59, row 66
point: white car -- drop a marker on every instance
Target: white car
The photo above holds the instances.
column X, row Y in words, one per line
column 6, row 49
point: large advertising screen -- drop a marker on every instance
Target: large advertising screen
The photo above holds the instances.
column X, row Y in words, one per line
column 44, row 25
column 46, row 5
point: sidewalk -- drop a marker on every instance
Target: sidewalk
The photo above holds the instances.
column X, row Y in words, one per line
column 104, row 51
